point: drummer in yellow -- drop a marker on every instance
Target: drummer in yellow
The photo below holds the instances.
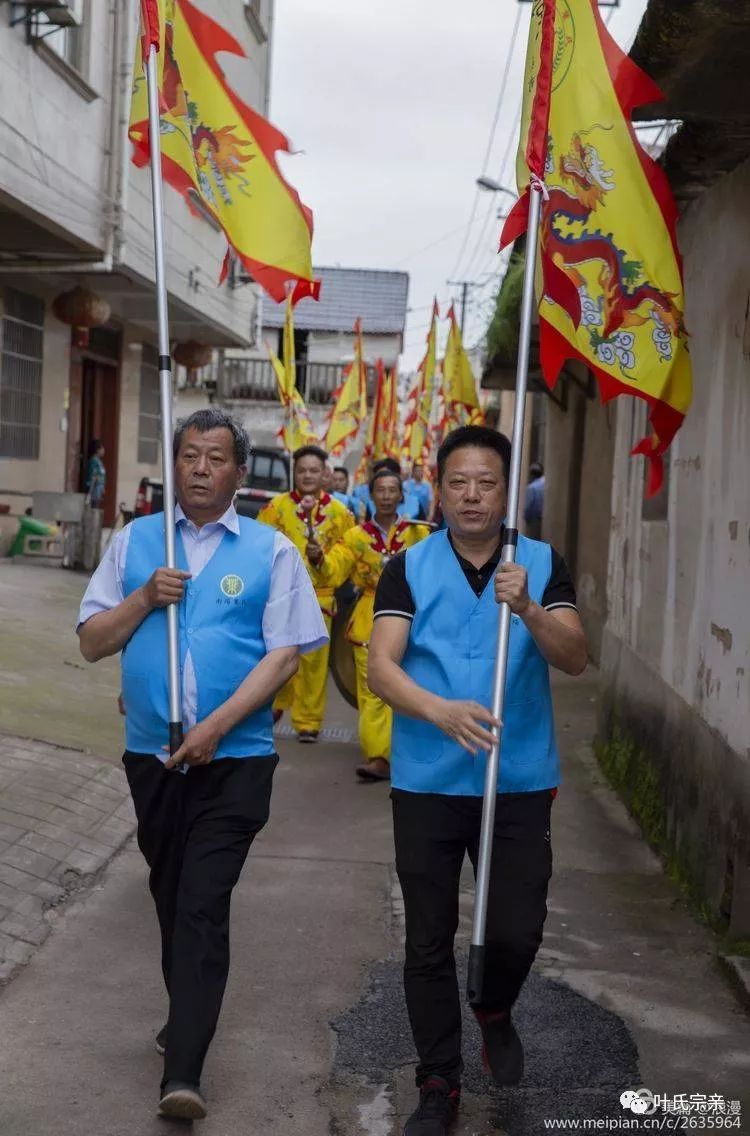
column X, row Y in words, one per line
column 310, row 517
column 360, row 556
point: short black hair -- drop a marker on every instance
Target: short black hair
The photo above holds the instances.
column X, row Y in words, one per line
column 342, row 469
column 385, row 471
column 536, row 469
column 483, row 438
column 310, row 452
column 212, row 418
column 387, row 463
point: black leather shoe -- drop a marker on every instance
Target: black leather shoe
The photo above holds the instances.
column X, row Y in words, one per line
column 502, row 1052
column 182, row 1101
column 160, row 1041
column 436, row 1111
column 307, row 737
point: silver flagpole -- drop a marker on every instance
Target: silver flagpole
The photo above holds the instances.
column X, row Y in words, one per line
column 165, row 399
column 476, row 950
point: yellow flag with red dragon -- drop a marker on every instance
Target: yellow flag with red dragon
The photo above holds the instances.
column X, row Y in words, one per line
column 459, row 385
column 297, row 429
column 417, row 424
column 349, row 408
column 610, row 276
column 217, row 150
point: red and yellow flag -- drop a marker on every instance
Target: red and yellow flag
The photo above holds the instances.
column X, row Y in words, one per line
column 349, row 408
column 218, row 149
column 417, row 424
column 297, row 429
column 459, row 385
column 610, row 275
column 387, row 445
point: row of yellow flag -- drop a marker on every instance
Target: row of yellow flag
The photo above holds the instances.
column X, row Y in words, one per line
column 443, row 397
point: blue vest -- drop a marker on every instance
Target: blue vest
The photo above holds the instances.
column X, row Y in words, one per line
column 451, row 652
column 221, row 623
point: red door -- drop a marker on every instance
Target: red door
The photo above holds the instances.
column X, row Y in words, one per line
column 100, row 416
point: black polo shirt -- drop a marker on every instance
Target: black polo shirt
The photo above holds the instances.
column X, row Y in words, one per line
column 393, row 595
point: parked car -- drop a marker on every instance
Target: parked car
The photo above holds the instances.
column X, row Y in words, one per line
column 267, row 476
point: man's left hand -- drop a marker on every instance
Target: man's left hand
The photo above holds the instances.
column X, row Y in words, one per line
column 198, row 746
column 511, row 587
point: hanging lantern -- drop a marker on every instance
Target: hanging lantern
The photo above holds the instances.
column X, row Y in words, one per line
column 82, row 309
column 192, row 355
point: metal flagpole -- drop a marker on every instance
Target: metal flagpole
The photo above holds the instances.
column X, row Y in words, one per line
column 476, row 950
column 165, row 399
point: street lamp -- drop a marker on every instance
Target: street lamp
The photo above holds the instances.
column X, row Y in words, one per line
column 493, row 186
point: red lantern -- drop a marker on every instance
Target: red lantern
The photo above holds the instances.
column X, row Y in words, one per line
column 192, row 355
column 82, row 309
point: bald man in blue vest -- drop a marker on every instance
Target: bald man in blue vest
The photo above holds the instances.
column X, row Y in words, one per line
column 247, row 610
column 432, row 656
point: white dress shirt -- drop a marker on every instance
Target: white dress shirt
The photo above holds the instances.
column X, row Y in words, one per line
column 291, row 618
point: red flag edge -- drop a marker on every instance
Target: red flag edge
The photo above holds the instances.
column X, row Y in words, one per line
column 555, row 349
column 151, row 27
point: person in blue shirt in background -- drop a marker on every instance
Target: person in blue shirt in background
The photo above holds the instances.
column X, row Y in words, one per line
column 408, row 510
column 533, row 509
column 432, row 659
column 416, row 486
column 340, row 490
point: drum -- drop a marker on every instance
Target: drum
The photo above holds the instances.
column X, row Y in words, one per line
column 341, row 657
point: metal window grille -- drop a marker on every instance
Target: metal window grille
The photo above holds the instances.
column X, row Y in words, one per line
column 21, row 355
column 148, row 407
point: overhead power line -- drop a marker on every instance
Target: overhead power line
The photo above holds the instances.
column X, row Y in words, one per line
column 488, row 151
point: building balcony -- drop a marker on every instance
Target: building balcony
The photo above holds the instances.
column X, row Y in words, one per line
column 254, row 380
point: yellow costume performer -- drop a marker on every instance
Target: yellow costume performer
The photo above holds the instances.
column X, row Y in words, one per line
column 305, row 694
column 360, row 557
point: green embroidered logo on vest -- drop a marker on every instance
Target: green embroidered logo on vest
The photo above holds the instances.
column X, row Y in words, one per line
column 232, row 586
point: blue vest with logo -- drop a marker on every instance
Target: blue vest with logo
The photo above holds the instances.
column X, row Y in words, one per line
column 221, row 624
column 451, row 652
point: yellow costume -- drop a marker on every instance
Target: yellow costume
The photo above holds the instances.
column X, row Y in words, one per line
column 360, row 557
column 305, row 694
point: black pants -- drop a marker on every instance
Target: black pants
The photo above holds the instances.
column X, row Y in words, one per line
column 432, row 834
column 195, row 831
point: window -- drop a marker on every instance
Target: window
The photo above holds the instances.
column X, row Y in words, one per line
column 149, row 420
column 66, row 42
column 21, row 351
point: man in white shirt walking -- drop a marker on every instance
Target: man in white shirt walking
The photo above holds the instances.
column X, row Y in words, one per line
column 247, row 611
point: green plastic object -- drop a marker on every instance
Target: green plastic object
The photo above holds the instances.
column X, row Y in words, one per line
column 29, row 526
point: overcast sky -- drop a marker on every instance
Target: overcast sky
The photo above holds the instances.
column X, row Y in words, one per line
column 393, row 105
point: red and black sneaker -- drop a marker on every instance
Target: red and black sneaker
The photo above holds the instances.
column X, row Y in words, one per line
column 502, row 1051
column 436, row 1111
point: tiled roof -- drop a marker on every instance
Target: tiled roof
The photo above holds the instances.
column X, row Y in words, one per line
column 378, row 298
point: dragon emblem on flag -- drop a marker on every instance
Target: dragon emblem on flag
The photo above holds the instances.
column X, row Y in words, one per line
column 612, row 294
column 219, row 153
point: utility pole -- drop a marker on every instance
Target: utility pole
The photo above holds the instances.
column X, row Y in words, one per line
column 464, row 286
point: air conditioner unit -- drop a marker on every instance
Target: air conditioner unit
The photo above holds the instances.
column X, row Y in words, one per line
column 61, row 13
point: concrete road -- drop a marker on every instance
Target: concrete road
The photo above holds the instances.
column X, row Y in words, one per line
column 313, row 1038
column 48, row 691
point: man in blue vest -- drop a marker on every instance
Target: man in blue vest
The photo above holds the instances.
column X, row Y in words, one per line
column 247, row 610
column 416, row 486
column 432, row 656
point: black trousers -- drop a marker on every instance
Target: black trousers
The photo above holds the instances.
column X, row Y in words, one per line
column 432, row 835
column 195, row 831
